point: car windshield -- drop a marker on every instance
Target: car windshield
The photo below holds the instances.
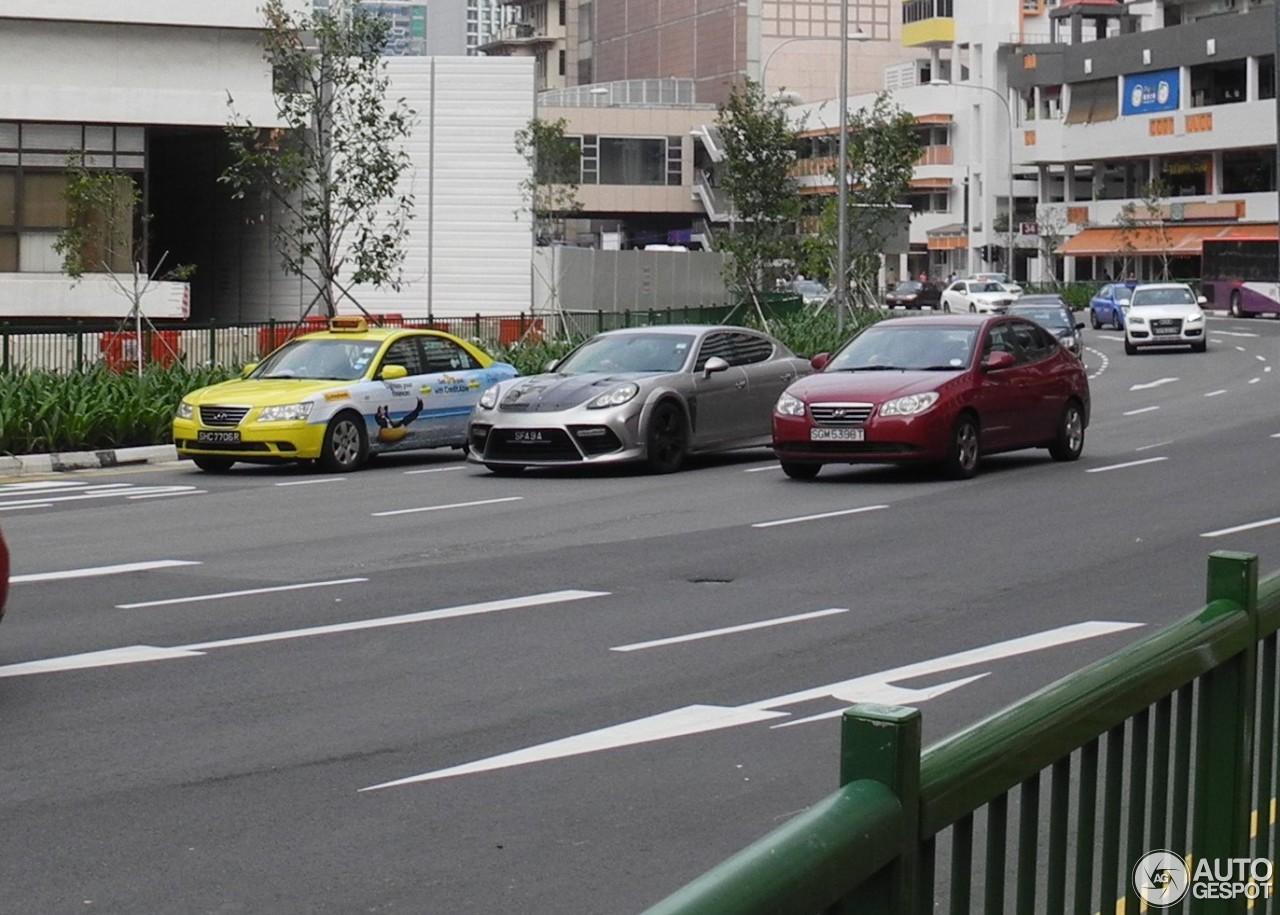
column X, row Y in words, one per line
column 908, row 286
column 985, row 287
column 639, row 352
column 919, row 348
column 328, row 359
column 1171, row 296
column 1045, row 315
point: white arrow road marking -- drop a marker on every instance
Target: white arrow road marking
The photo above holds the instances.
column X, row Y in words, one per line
column 1152, row 384
column 95, row 571
column 697, row 719
column 136, row 653
column 731, row 630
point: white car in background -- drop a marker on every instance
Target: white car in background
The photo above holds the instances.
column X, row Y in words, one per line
column 1165, row 314
column 1002, row 278
column 977, row 296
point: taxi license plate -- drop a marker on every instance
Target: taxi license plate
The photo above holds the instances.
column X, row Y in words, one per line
column 528, row 436
column 207, row 437
column 836, row 435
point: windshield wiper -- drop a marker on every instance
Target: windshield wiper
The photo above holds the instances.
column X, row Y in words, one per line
column 874, row 368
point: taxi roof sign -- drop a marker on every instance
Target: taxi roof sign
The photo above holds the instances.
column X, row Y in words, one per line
column 348, row 324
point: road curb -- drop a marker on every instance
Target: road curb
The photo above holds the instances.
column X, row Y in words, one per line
column 87, row 460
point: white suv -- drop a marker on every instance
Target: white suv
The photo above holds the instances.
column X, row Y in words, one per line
column 1165, row 314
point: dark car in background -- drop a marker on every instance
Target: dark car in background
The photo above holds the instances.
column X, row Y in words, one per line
column 914, row 294
column 1053, row 314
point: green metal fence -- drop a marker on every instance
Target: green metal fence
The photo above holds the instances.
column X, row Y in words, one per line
column 1046, row 806
column 76, row 345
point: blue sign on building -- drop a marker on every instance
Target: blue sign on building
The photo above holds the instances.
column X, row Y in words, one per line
column 1147, row 92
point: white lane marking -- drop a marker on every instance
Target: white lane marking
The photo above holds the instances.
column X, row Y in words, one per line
column 1275, row 435
column 697, row 719
column 730, row 630
column 1102, row 357
column 135, row 653
column 1242, row 349
column 1232, row 333
column 1260, row 358
column 1249, row 526
column 169, row 495
column 1154, row 460
column 1254, row 380
column 223, row 595
column 95, row 571
column 1216, row 393
column 409, row 473
column 66, row 494
column 836, row 514
column 1253, row 525
column 312, row 482
column 25, row 506
column 1141, row 410
column 1267, row 369
column 437, row 508
column 1149, row 447
column 760, row 469
column 1152, row 384
column 1109, row 337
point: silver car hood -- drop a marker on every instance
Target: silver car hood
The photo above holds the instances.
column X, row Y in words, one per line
column 554, row 392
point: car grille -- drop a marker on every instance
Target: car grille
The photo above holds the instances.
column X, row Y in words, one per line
column 501, row 445
column 840, row 414
column 222, row 417
column 190, row 444
column 595, row 440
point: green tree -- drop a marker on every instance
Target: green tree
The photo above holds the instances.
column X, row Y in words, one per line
column 756, row 175
column 333, row 173
column 883, row 152
column 105, row 233
column 549, row 190
column 1142, row 224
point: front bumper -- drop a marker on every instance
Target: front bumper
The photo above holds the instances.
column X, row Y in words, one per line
column 912, row 439
column 1146, row 335
column 279, row 441
column 555, row 439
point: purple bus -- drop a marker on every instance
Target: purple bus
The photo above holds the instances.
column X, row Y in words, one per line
column 1241, row 275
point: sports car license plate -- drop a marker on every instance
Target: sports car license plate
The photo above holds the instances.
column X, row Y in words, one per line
column 529, row 436
column 836, row 435
column 217, row 438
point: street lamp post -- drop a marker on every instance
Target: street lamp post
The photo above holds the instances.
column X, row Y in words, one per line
column 1008, row 110
column 842, row 171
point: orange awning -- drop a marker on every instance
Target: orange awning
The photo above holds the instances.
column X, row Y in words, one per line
column 1169, row 239
column 930, row 183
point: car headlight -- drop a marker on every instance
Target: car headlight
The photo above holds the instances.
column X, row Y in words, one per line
column 614, row 398
column 185, row 410
column 1196, row 318
column 789, row 405
column 909, row 405
column 1137, row 319
column 292, row 411
column 489, row 399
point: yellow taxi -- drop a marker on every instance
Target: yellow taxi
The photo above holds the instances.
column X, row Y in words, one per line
column 338, row 396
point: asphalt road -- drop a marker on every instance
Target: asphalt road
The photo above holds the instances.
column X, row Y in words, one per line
column 422, row 688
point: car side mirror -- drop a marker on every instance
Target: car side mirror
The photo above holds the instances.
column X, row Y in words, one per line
column 392, row 372
column 714, row 364
column 1201, row 300
column 1079, row 325
column 551, row 365
column 248, row 369
column 998, row 360
column 820, row 361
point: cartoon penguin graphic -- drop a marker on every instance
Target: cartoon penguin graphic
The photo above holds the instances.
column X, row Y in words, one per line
column 393, row 430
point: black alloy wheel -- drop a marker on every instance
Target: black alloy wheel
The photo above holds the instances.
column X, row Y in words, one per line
column 666, row 439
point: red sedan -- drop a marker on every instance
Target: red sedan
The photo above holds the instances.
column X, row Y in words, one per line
column 942, row 389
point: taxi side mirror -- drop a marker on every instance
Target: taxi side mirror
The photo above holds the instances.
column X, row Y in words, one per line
column 392, row 372
column 248, row 369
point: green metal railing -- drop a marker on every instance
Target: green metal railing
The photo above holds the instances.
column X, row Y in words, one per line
column 1046, row 806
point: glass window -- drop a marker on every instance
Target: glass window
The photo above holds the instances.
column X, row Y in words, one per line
column 8, row 253
column 8, row 197
column 718, row 344
column 1218, row 83
column 1093, row 101
column 633, row 161
column 1185, row 176
column 1267, row 77
column 42, row 203
column 1243, row 171
column 405, row 352
column 748, row 348
column 444, row 355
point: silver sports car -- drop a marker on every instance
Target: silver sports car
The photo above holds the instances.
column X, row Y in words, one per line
column 652, row 394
